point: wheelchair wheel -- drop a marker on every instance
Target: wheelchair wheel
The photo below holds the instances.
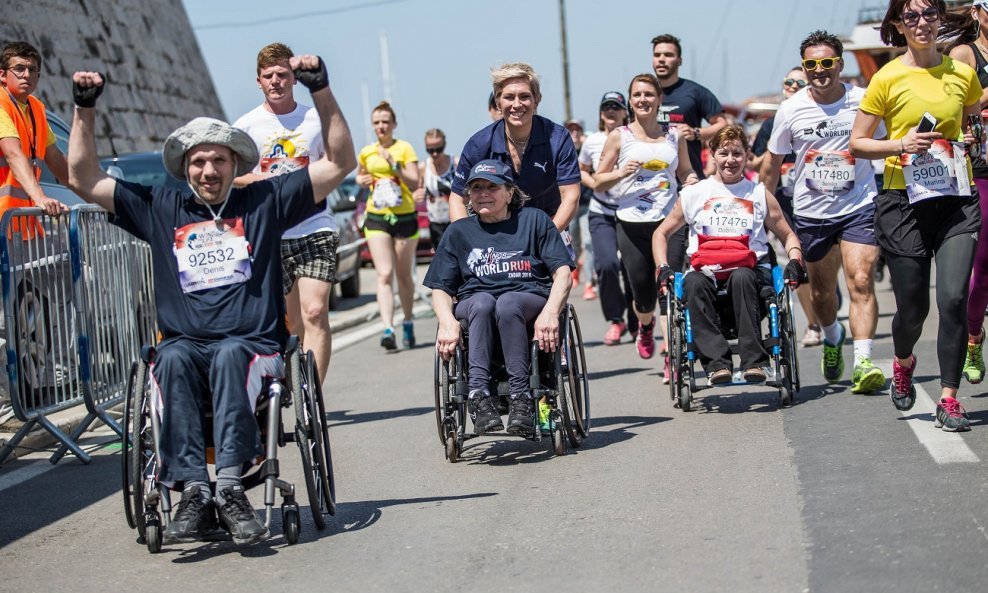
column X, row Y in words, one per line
column 329, row 494
column 785, row 385
column 152, row 528
column 142, row 458
column 579, row 381
column 125, row 444
column 308, row 436
column 558, row 440
column 444, row 397
column 675, row 347
column 787, row 329
column 291, row 523
column 684, row 396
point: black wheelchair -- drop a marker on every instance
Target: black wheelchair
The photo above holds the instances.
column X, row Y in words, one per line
column 780, row 340
column 557, row 380
column 147, row 502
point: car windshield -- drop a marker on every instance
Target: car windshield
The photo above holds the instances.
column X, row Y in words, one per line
column 146, row 169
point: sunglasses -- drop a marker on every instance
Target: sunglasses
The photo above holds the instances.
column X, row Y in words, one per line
column 911, row 18
column 825, row 63
column 436, row 150
column 793, row 81
column 611, row 107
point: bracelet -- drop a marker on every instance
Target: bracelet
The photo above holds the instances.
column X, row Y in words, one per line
column 791, row 248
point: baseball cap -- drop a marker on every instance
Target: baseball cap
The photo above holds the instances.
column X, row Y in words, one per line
column 618, row 99
column 491, row 170
column 574, row 122
column 983, row 3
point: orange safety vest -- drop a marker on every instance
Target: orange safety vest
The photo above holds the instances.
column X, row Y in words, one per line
column 12, row 194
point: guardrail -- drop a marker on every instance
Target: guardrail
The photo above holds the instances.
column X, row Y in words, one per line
column 78, row 302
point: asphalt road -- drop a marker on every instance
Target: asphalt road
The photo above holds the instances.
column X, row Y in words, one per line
column 839, row 493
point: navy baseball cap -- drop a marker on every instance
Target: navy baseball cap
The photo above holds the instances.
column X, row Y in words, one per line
column 614, row 97
column 491, row 170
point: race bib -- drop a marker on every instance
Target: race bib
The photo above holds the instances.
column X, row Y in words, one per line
column 277, row 165
column 568, row 242
column 210, row 255
column 438, row 208
column 787, row 178
column 387, row 193
column 829, row 172
column 941, row 171
column 727, row 217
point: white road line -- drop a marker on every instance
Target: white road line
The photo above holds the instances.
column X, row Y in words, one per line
column 348, row 339
column 944, row 447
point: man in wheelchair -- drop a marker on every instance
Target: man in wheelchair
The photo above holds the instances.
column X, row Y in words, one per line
column 506, row 266
column 728, row 249
column 217, row 275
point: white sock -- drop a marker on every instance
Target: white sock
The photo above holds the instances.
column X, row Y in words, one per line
column 831, row 333
column 862, row 349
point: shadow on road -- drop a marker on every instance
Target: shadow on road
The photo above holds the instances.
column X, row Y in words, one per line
column 346, row 417
column 614, row 373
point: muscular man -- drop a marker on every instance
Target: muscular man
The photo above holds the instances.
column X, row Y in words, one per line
column 288, row 136
column 833, row 212
column 222, row 323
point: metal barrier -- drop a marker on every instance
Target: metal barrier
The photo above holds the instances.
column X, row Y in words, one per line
column 78, row 303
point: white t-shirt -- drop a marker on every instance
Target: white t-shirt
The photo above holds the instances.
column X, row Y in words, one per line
column 593, row 146
column 649, row 194
column 287, row 143
column 717, row 210
column 829, row 182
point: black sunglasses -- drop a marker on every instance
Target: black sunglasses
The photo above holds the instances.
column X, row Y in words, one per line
column 436, row 150
column 911, row 18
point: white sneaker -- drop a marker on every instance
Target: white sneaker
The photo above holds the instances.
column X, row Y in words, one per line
column 812, row 337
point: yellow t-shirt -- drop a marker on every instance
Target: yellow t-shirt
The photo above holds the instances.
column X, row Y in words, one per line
column 8, row 129
column 379, row 168
column 901, row 94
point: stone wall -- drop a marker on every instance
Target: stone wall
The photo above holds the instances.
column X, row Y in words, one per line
column 158, row 79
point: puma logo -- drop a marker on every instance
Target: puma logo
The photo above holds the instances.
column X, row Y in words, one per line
column 541, row 166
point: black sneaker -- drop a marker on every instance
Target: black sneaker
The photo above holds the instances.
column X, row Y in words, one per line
column 521, row 415
column 484, row 413
column 240, row 517
column 194, row 517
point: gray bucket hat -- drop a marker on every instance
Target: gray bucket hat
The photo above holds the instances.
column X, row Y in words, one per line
column 206, row 130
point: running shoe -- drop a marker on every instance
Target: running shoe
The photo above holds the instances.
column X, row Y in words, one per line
column 866, row 377
column 521, row 415
column 614, row 333
column 903, row 392
column 951, row 416
column 812, row 336
column 720, row 377
column 832, row 364
column 388, row 339
column 589, row 293
column 974, row 364
column 483, row 412
column 194, row 517
column 545, row 425
column 240, row 518
column 645, row 341
column 408, row 334
column 666, row 371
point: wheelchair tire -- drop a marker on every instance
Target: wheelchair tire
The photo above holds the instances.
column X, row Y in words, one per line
column 685, row 397
column 304, row 439
column 452, row 449
column 125, row 444
column 558, row 439
column 142, row 457
column 579, row 391
column 788, row 330
column 329, row 494
column 291, row 523
column 154, row 534
column 441, row 379
column 675, row 347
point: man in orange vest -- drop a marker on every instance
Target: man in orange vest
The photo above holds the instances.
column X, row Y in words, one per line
column 25, row 138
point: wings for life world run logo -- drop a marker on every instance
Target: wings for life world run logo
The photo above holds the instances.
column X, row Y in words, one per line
column 488, row 262
column 284, row 154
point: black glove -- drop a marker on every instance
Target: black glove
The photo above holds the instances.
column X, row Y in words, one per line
column 314, row 80
column 665, row 274
column 795, row 273
column 86, row 96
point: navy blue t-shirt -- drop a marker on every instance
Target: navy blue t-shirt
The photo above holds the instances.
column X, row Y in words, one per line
column 549, row 161
column 516, row 255
column 687, row 102
column 167, row 218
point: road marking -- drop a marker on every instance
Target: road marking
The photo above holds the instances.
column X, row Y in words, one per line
column 943, row 447
column 356, row 336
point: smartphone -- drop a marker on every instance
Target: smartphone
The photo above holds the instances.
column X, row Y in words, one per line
column 927, row 124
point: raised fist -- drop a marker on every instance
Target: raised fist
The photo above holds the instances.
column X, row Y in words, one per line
column 87, row 87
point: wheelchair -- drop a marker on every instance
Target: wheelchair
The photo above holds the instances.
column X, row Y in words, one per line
column 559, row 379
column 780, row 341
column 147, row 502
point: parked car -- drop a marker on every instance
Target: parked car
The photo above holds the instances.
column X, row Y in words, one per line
column 358, row 196
column 148, row 169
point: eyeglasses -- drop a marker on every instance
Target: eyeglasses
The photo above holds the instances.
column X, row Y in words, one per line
column 435, row 150
column 21, row 70
column 825, row 63
column 794, row 81
column 611, row 107
column 911, row 18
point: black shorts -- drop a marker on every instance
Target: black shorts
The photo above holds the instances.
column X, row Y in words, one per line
column 819, row 236
column 403, row 226
column 918, row 230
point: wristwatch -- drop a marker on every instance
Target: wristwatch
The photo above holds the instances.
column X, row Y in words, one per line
column 696, row 133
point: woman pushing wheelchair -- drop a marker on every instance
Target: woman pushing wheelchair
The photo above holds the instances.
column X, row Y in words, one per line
column 728, row 216
column 507, row 267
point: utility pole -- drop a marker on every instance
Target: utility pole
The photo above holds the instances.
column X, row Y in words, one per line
column 562, row 33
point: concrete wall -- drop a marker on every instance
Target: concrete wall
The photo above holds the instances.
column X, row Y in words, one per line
column 158, row 79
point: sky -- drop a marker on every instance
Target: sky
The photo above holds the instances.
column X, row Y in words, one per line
column 440, row 52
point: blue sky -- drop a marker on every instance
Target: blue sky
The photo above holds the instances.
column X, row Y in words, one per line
column 441, row 51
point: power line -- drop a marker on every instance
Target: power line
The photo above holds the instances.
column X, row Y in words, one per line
column 291, row 17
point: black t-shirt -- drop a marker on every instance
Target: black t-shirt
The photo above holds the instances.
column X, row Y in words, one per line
column 516, row 255
column 171, row 221
column 687, row 102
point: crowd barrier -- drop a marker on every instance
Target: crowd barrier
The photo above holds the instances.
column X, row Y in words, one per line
column 78, row 303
